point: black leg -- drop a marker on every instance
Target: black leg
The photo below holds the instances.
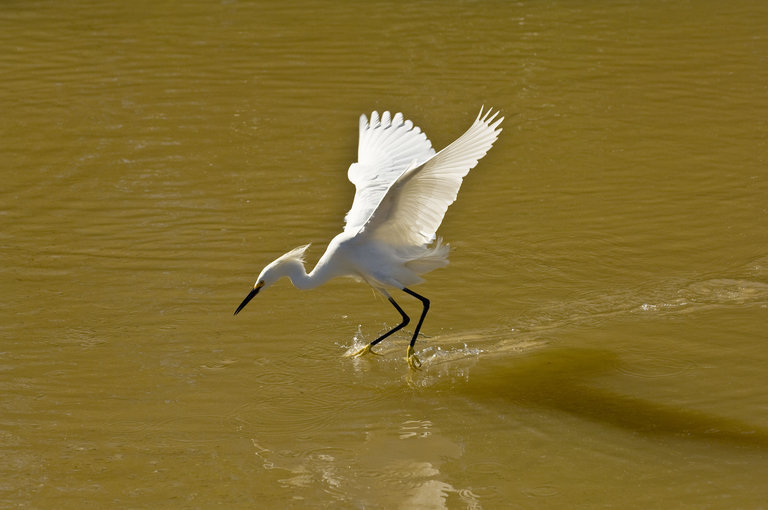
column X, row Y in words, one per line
column 413, row 360
column 425, row 302
column 400, row 326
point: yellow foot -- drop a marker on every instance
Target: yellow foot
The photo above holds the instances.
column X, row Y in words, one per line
column 361, row 352
column 413, row 361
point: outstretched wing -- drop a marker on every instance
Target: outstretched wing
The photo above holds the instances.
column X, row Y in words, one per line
column 387, row 147
column 413, row 207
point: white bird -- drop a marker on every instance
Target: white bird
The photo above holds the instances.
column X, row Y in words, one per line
column 403, row 189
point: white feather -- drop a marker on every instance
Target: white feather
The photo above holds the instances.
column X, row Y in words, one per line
column 413, row 207
column 387, row 147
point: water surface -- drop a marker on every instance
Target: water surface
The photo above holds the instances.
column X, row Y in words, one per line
column 598, row 339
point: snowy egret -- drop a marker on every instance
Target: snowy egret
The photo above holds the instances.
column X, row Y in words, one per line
column 403, row 189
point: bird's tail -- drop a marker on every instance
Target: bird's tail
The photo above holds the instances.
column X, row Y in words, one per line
column 430, row 258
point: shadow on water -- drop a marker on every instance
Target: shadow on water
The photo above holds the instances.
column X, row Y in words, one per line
column 562, row 379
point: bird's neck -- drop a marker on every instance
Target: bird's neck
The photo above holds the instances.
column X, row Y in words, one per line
column 297, row 273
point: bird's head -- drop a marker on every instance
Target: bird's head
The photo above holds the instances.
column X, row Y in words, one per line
column 284, row 265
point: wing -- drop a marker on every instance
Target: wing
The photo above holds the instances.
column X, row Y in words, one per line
column 387, row 147
column 413, row 207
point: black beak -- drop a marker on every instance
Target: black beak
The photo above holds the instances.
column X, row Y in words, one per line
column 248, row 298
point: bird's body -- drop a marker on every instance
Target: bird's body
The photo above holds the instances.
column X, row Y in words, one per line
column 403, row 189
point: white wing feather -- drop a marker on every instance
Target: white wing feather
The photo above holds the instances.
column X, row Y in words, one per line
column 387, row 147
column 414, row 205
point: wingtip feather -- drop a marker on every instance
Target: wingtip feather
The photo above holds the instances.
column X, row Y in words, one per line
column 490, row 120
